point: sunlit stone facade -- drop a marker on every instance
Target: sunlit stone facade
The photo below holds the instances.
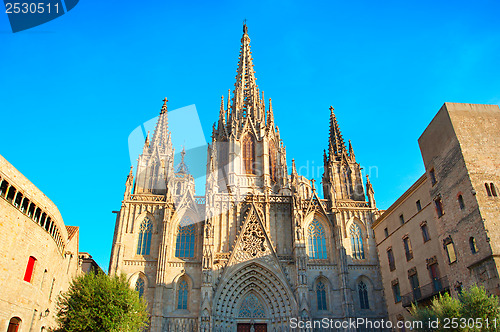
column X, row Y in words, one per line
column 261, row 247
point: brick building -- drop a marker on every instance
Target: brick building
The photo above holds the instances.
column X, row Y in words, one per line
column 458, row 202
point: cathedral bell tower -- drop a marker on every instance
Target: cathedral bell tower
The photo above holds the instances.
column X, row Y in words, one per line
column 246, row 154
column 155, row 164
column 342, row 174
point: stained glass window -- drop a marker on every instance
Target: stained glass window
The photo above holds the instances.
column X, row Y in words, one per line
column 251, row 307
column 316, row 240
column 358, row 252
column 145, row 231
column 363, row 295
column 183, row 295
column 184, row 247
column 139, row 286
column 321, row 295
column 249, row 154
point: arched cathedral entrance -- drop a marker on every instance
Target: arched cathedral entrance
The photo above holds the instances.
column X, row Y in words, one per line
column 252, row 314
column 253, row 299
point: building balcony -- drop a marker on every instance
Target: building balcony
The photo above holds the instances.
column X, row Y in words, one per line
column 425, row 293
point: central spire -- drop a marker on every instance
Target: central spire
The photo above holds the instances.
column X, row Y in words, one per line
column 246, row 101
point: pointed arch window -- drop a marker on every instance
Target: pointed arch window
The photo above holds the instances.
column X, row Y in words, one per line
column 249, row 154
column 346, row 170
column 358, row 251
column 316, row 239
column 186, row 237
column 139, row 286
column 145, row 231
column 182, row 296
column 321, row 295
column 363, row 295
column 272, row 161
column 251, row 307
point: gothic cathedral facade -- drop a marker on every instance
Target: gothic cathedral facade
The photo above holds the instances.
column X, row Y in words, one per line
column 261, row 248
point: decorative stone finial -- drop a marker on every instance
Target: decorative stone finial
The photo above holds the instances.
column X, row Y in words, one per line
column 164, row 107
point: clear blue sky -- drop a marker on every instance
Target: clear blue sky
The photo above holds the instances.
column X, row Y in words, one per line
column 72, row 90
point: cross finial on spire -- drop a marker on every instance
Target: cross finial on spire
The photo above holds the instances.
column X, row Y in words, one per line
column 164, row 107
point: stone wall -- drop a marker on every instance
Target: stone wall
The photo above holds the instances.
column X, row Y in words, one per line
column 21, row 237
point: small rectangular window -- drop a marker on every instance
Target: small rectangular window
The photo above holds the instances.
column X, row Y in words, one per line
column 493, row 189
column 18, row 200
column 461, row 203
column 407, row 246
column 28, row 275
column 24, row 207
column 11, row 193
column 450, row 250
column 419, row 206
column 488, row 191
column 3, row 188
column 425, row 232
column 439, row 207
column 402, row 219
column 432, row 176
column 386, row 232
column 390, row 257
column 396, row 292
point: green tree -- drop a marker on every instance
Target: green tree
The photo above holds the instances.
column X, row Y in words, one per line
column 474, row 310
column 98, row 302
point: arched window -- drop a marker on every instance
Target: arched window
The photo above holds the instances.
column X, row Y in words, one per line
column 249, row 154
column 321, row 295
column 272, row 161
column 184, row 247
column 182, row 296
column 145, row 231
column 316, row 240
column 139, row 286
column 472, row 244
column 14, row 324
column 251, row 307
column 363, row 295
column 358, row 252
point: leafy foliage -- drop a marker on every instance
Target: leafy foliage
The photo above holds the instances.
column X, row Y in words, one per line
column 98, row 302
column 474, row 310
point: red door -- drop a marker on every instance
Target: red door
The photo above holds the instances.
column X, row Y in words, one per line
column 260, row 327
column 243, row 327
column 247, row 327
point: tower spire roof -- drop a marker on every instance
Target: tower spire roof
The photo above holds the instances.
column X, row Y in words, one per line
column 182, row 168
column 161, row 136
column 246, row 95
column 336, row 141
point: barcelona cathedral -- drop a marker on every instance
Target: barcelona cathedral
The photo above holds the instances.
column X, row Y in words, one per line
column 261, row 250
